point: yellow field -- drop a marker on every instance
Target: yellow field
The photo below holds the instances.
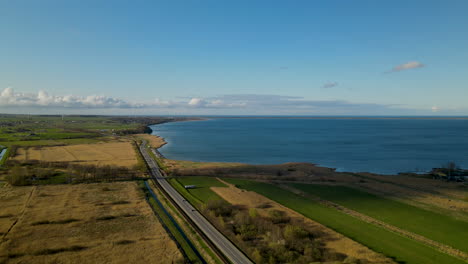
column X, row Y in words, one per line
column 112, row 153
column 332, row 240
column 83, row 223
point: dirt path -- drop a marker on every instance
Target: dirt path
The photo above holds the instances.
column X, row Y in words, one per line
column 20, row 216
column 434, row 244
column 83, row 223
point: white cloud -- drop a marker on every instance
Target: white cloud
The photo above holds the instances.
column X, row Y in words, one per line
column 407, row 66
column 330, row 85
column 235, row 104
column 196, row 102
column 42, row 99
column 7, row 92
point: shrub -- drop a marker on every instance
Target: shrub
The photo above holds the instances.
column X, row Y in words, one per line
column 278, row 217
column 18, row 176
column 220, row 208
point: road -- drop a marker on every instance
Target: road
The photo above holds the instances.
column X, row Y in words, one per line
column 219, row 240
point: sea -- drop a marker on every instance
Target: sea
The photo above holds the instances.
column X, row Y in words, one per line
column 378, row 145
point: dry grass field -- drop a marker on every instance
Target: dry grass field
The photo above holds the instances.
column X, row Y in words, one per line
column 120, row 153
column 451, row 190
column 83, row 223
column 332, row 240
column 186, row 167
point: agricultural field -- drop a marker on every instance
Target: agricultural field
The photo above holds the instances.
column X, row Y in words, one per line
column 119, row 153
column 434, row 195
column 400, row 248
column 434, row 226
column 332, row 240
column 86, row 223
column 334, row 245
column 40, row 130
column 202, row 193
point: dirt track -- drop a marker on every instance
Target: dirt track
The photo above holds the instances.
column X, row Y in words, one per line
column 83, row 223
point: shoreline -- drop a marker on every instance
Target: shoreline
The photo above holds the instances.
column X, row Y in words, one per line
column 335, row 117
column 337, row 170
column 165, row 142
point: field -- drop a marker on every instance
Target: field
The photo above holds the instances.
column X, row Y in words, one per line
column 434, row 226
column 210, row 188
column 40, row 130
column 443, row 197
column 119, row 153
column 82, row 223
column 331, row 239
column 202, row 193
column 380, row 240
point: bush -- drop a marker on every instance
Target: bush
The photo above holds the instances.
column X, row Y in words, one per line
column 278, row 217
column 220, row 208
column 18, row 176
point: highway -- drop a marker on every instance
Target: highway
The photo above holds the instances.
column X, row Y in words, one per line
column 229, row 250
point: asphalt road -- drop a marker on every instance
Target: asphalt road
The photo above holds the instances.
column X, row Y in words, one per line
column 219, row 240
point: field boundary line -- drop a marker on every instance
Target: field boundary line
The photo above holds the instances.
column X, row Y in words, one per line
column 21, row 215
column 434, row 244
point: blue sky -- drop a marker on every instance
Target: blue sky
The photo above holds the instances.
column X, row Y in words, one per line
column 234, row 57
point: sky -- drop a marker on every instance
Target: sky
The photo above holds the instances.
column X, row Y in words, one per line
column 330, row 57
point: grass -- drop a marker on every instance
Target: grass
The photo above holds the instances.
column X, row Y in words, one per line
column 171, row 226
column 442, row 228
column 58, row 218
column 202, row 193
column 60, row 222
column 54, row 142
column 58, row 178
column 5, row 156
column 25, row 130
column 51, row 251
column 401, row 249
column 188, row 228
column 118, row 153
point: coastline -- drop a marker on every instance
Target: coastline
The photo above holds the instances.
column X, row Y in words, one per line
column 230, row 164
column 164, row 142
column 422, row 189
column 339, row 117
column 246, row 150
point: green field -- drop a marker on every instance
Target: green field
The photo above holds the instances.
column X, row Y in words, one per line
column 401, row 249
column 202, row 193
column 438, row 227
column 25, row 130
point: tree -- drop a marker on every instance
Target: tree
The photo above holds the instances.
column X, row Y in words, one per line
column 450, row 167
column 18, row 176
column 257, row 257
